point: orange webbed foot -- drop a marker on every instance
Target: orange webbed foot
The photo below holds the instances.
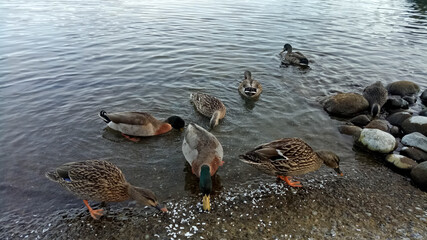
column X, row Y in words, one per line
column 96, row 214
column 133, row 139
column 289, row 181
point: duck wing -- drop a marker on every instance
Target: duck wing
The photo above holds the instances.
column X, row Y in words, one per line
column 132, row 118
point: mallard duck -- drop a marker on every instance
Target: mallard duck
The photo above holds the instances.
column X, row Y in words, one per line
column 249, row 87
column 100, row 181
column 204, row 154
column 289, row 157
column 209, row 106
column 140, row 124
column 290, row 57
column 377, row 95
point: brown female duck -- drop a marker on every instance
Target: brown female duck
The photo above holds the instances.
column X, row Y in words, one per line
column 377, row 95
column 100, row 181
column 249, row 87
column 209, row 106
column 290, row 57
column 289, row 157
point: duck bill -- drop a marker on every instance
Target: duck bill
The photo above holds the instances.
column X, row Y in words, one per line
column 206, row 203
column 160, row 208
column 339, row 171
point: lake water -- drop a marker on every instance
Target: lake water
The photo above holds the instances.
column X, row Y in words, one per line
column 61, row 62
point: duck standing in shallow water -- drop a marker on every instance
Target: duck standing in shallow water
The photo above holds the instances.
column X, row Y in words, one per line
column 295, row 58
column 209, row 106
column 249, row 87
column 204, row 153
column 100, row 181
column 288, row 157
column 140, row 124
column 377, row 95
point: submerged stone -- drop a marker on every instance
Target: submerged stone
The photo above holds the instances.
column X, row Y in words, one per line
column 377, row 141
column 360, row 120
column 345, row 104
column 401, row 161
column 350, row 130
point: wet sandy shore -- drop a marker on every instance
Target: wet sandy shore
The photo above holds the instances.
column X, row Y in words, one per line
column 375, row 203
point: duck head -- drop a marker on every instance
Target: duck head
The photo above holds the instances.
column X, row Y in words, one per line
column 176, row 122
column 331, row 160
column 205, row 185
column 145, row 197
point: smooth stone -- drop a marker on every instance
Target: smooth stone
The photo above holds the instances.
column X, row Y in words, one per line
column 377, row 140
column 403, row 88
column 410, row 99
column 361, row 120
column 394, row 103
column 414, row 153
column 350, row 130
column 395, row 131
column 379, row 124
column 396, row 119
column 423, row 112
column 415, row 124
column 415, row 139
column 345, row 104
column 401, row 161
column 423, row 97
column 419, row 175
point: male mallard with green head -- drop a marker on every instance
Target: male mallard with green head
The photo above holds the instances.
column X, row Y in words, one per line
column 288, row 157
column 209, row 106
column 100, row 181
column 204, row 153
column 249, row 87
column 140, row 124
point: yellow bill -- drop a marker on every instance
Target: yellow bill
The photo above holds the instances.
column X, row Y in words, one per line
column 206, row 203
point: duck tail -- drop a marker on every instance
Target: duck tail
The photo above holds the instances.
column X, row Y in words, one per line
column 103, row 115
column 375, row 109
column 215, row 119
column 303, row 61
column 53, row 176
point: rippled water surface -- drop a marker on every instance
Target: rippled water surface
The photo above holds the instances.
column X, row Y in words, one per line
column 61, row 62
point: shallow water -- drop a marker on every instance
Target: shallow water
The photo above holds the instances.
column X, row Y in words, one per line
column 62, row 62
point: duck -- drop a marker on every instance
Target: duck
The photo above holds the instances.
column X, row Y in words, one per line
column 249, row 87
column 377, row 95
column 101, row 181
column 290, row 57
column 209, row 106
column 289, row 157
column 140, row 124
column 204, row 153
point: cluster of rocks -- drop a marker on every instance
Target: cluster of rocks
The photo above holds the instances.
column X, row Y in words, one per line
column 382, row 121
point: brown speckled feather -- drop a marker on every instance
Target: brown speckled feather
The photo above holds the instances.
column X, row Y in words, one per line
column 95, row 180
column 286, row 156
column 376, row 93
column 207, row 104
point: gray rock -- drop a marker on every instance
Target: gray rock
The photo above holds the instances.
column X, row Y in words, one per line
column 395, row 102
column 401, row 161
column 415, row 124
column 414, row 153
column 345, row 104
column 403, row 88
column 424, row 97
column 350, row 130
column 379, row 124
column 377, row 141
column 397, row 119
column 395, row 131
column 410, row 99
column 423, row 112
column 419, row 175
column 415, row 139
column 360, row 120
